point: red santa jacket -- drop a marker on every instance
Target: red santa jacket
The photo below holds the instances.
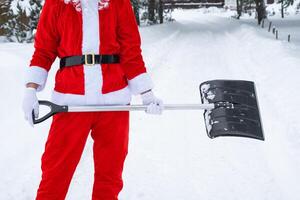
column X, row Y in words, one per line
column 69, row 28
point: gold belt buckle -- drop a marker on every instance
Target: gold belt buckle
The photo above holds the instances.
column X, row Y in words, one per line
column 86, row 60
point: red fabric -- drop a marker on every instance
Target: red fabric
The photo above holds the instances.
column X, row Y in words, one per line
column 64, row 146
column 59, row 33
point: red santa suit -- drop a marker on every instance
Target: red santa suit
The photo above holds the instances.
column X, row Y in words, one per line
column 78, row 27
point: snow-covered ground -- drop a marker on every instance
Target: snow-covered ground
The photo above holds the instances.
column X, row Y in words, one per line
column 290, row 25
column 170, row 156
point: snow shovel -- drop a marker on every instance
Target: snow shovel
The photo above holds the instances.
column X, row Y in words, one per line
column 231, row 109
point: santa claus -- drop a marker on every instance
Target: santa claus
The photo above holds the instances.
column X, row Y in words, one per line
column 98, row 44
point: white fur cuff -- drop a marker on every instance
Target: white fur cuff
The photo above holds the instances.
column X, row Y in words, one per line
column 140, row 83
column 38, row 75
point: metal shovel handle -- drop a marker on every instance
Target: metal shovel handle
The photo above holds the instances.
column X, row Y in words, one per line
column 54, row 108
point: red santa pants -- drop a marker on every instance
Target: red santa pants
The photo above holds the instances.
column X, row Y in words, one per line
column 64, row 146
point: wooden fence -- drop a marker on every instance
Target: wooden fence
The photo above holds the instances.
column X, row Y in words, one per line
column 188, row 4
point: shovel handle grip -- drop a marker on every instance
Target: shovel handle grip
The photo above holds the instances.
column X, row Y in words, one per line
column 54, row 108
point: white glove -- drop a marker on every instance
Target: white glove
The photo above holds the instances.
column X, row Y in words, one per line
column 30, row 102
column 155, row 105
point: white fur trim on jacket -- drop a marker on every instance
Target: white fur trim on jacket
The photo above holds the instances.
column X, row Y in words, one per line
column 102, row 4
column 38, row 75
column 140, row 83
column 119, row 97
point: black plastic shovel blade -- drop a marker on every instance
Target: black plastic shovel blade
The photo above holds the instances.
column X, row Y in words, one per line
column 243, row 119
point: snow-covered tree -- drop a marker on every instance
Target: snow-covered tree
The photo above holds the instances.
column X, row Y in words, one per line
column 4, row 9
column 21, row 19
column 153, row 12
column 284, row 5
column 136, row 9
column 248, row 5
column 260, row 10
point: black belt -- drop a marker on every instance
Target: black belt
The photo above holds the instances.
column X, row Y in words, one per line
column 88, row 59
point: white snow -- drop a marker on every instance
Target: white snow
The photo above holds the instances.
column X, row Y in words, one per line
column 170, row 156
column 205, row 87
column 275, row 9
column 21, row 5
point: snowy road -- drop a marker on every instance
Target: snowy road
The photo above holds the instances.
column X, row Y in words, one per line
column 170, row 156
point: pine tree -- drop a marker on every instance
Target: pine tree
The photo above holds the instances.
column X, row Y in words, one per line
column 136, row 8
column 21, row 19
column 4, row 8
column 17, row 25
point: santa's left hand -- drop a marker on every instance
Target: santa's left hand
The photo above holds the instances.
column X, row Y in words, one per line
column 154, row 104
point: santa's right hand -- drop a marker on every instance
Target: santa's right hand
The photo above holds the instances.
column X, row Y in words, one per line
column 30, row 103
